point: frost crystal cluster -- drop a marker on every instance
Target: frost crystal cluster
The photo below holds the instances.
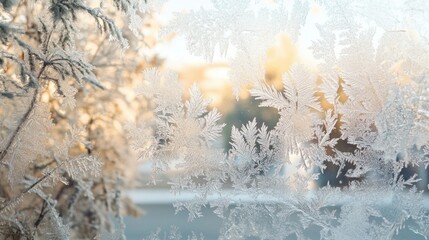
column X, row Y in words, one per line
column 352, row 124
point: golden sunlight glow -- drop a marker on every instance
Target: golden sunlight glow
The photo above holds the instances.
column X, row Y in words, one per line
column 213, row 81
column 213, row 78
column 279, row 59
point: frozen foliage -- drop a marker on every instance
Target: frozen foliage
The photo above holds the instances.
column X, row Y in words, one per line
column 363, row 115
column 53, row 182
column 23, row 148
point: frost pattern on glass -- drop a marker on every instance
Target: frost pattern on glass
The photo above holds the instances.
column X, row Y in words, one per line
column 363, row 112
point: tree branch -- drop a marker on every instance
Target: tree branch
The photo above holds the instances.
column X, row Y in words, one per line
column 23, row 119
